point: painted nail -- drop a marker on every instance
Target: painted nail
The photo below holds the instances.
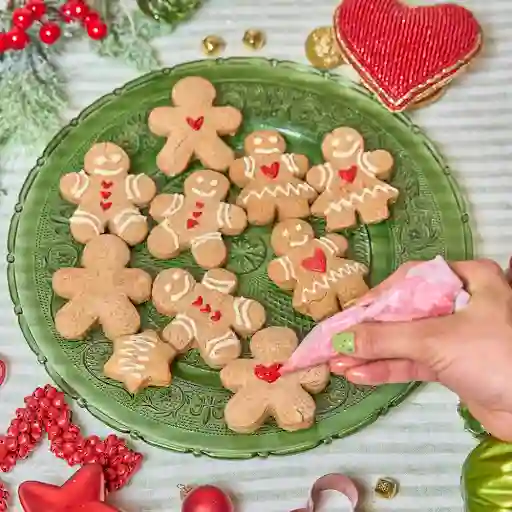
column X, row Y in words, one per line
column 344, row 342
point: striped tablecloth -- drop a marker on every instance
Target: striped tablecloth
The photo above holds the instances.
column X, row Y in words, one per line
column 422, row 444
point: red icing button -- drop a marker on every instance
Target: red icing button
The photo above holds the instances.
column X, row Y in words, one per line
column 206, row 308
column 106, row 206
column 107, row 184
column 216, row 316
column 268, row 373
column 199, row 204
column 271, row 171
column 105, row 194
column 348, row 175
column 316, row 263
column 195, row 124
column 198, row 301
column 196, row 215
column 192, row 223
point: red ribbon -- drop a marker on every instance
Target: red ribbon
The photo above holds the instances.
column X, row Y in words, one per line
column 331, row 482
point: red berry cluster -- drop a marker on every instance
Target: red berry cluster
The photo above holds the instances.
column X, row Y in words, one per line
column 4, row 498
column 35, row 11
column 47, row 411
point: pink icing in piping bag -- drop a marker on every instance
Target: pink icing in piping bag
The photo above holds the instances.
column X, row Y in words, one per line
column 429, row 289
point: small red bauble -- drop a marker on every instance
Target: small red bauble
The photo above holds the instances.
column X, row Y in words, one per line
column 96, row 29
column 49, row 33
column 77, row 9
column 22, row 18
column 206, row 498
column 18, row 39
column 91, row 17
column 37, row 8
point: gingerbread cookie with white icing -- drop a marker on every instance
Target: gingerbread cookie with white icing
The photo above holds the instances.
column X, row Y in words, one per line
column 107, row 196
column 350, row 182
column 271, row 180
column 206, row 314
column 322, row 281
column 196, row 220
column 261, row 392
column 140, row 360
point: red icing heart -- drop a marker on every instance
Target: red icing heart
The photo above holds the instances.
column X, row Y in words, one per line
column 316, row 263
column 206, row 308
column 195, row 124
column 268, row 373
column 105, row 194
column 107, row 184
column 106, row 206
column 401, row 51
column 348, row 175
column 271, row 171
column 199, row 204
column 198, row 301
column 216, row 316
column 192, row 223
column 196, row 215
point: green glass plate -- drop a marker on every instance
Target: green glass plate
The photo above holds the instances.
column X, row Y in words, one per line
column 304, row 104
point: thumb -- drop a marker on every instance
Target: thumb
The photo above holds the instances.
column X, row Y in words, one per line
column 418, row 340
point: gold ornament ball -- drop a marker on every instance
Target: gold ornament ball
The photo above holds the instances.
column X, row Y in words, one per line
column 254, row 39
column 386, row 488
column 213, row 45
column 321, row 49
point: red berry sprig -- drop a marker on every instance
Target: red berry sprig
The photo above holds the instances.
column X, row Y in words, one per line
column 47, row 411
column 35, row 11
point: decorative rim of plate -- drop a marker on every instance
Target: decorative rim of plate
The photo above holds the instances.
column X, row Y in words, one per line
column 189, row 68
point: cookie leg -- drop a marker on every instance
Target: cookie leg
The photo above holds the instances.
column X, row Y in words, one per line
column 84, row 226
column 218, row 347
column 129, row 225
column 74, row 320
column 261, row 212
column 174, row 157
column 209, row 251
column 293, row 208
column 294, row 410
column 163, row 242
column 351, row 289
column 246, row 411
column 215, row 154
column 373, row 212
column 335, row 221
column 323, row 308
column 119, row 317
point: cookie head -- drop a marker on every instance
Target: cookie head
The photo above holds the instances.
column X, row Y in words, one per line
column 193, row 91
column 106, row 252
column 342, row 143
column 265, row 142
column 106, row 159
column 206, row 186
column 273, row 345
column 291, row 234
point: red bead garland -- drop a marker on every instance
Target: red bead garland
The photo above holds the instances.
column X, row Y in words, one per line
column 35, row 11
column 47, row 411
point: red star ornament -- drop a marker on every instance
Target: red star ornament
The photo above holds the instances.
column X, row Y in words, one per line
column 83, row 492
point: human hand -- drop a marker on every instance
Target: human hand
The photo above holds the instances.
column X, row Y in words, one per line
column 470, row 352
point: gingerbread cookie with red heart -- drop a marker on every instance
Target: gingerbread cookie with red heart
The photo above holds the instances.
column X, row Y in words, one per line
column 193, row 127
column 403, row 53
column 261, row 392
column 350, row 181
column 271, row 180
column 322, row 281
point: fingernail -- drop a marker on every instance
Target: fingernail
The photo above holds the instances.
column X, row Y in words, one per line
column 344, row 342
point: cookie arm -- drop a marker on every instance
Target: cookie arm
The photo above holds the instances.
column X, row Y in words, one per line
column 162, row 119
column 231, row 219
column 242, row 170
column 314, row 380
column 319, row 177
column 379, row 163
column 180, row 333
column 136, row 283
column 69, row 282
column 166, row 205
column 141, row 189
column 298, row 165
column 246, row 315
column 337, row 245
column 237, row 374
column 73, row 186
column 227, row 120
column 282, row 272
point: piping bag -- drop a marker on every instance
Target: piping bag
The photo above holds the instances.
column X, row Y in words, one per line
column 429, row 289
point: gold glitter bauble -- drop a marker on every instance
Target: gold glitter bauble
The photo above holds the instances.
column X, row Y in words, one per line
column 386, row 488
column 254, row 39
column 321, row 49
column 212, row 45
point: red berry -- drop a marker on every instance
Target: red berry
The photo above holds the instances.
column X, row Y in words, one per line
column 79, row 9
column 5, row 43
column 90, row 17
column 22, row 18
column 37, row 8
column 96, row 29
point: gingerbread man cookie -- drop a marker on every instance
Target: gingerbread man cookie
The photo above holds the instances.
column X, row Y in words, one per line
column 196, row 219
column 193, row 128
column 107, row 196
column 140, row 360
column 206, row 314
column 321, row 281
column 271, row 180
column 262, row 392
column 350, row 181
column 101, row 291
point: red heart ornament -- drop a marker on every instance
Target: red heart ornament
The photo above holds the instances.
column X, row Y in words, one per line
column 206, row 309
column 271, row 171
column 105, row 194
column 196, row 215
column 268, row 373
column 192, row 223
column 316, row 263
column 404, row 53
column 195, row 124
column 216, row 316
column 107, row 184
column 348, row 175
column 198, row 301
column 199, row 204
column 106, row 206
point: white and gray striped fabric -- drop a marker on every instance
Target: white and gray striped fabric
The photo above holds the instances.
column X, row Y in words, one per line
column 422, row 444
